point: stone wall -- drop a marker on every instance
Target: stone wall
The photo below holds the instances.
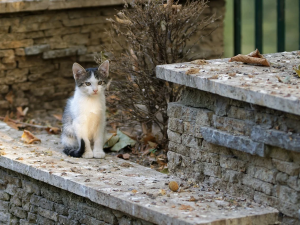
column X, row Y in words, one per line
column 242, row 148
column 40, row 40
column 25, row 201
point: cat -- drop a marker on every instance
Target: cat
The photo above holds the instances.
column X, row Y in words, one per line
column 84, row 118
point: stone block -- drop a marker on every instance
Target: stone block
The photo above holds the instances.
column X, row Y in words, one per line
column 5, row 217
column 64, row 220
column 265, row 119
column 290, row 168
column 4, row 206
column 16, row 44
column 73, row 22
column 13, row 21
column 190, row 141
column 264, row 174
column 11, row 189
column 179, row 148
column 34, row 200
column 262, row 198
column 286, row 194
column 8, row 60
column 206, row 146
column 4, row 104
column 212, row 170
column 61, row 31
column 203, row 156
column 257, row 184
column 61, row 209
column 276, row 138
column 36, row 49
column 231, row 176
column 75, row 39
column 26, row 62
column 4, row 89
column 79, row 50
column 294, row 182
column 4, row 196
column 31, row 187
column 43, row 220
column 16, row 201
column 175, row 125
column 18, row 212
column 8, row 66
column 51, row 195
column 282, row 178
column 228, row 162
column 46, row 204
column 222, row 106
column 173, row 136
column 289, row 209
column 6, row 53
column 48, row 214
column 34, row 35
column 265, row 162
column 188, row 113
column 16, row 76
column 204, row 117
column 225, row 139
column 241, row 113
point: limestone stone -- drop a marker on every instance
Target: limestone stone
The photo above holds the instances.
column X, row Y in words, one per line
column 20, row 51
column 264, row 174
column 282, row 178
column 241, row 143
column 48, row 214
column 16, row 44
column 179, row 148
column 36, row 49
column 231, row 176
column 191, row 141
column 294, row 182
column 6, row 53
column 4, row 196
column 75, row 39
column 19, row 212
column 175, row 137
column 212, row 170
column 240, row 113
column 287, row 194
column 4, row 89
column 16, row 76
column 291, row 169
column 265, row 199
column 175, row 125
column 232, row 163
column 257, row 184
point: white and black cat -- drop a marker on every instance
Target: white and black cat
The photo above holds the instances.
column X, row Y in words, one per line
column 84, row 116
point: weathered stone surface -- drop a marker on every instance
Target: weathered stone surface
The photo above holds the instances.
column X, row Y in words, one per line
column 179, row 148
column 48, row 214
column 240, row 113
column 65, row 52
column 175, row 125
column 236, row 142
column 6, row 53
column 264, row 174
column 291, row 169
column 174, row 136
column 36, row 49
column 257, row 185
column 287, row 194
column 276, row 138
column 16, row 76
column 16, row 44
column 232, row 163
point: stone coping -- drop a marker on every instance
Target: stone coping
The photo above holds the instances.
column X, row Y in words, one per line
column 276, row 87
column 11, row 6
column 111, row 181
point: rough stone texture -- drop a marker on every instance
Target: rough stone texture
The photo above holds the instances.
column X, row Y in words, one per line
column 43, row 188
column 46, row 37
column 244, row 149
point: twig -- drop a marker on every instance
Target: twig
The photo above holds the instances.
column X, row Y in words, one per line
column 26, row 124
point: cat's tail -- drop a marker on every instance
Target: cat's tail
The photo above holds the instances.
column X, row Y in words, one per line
column 75, row 152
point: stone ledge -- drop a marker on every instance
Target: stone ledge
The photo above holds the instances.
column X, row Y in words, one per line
column 241, row 143
column 109, row 182
column 10, row 6
column 261, row 87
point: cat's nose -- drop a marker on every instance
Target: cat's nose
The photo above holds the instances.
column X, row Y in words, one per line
column 95, row 91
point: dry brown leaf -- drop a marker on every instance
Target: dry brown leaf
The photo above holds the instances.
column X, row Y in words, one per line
column 126, row 156
column 152, row 144
column 232, row 74
column 173, row 206
column 134, row 191
column 19, row 158
column 123, row 21
column 10, row 97
column 199, row 62
column 20, row 111
column 253, row 58
column 214, row 77
column 2, row 153
column 11, row 123
column 29, row 138
column 186, row 207
column 58, row 116
column 162, row 192
column 192, row 199
column 192, row 71
column 53, row 130
column 279, row 79
column 75, row 170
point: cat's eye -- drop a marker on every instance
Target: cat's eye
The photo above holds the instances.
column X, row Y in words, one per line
column 87, row 83
column 101, row 82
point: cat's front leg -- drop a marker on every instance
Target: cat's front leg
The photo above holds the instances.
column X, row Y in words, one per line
column 88, row 153
column 99, row 143
column 81, row 133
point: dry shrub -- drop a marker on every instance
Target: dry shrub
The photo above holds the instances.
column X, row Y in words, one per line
column 151, row 34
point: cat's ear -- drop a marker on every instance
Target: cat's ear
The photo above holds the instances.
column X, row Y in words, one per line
column 104, row 68
column 77, row 70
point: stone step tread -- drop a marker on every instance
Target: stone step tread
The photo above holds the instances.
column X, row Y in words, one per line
column 112, row 182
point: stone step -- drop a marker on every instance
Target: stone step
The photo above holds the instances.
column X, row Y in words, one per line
column 121, row 185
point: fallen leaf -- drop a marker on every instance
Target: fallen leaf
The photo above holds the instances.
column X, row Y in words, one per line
column 199, row 62
column 214, row 77
column 125, row 156
column 112, row 139
column 279, row 79
column 10, row 97
column 87, row 180
column 75, row 170
column 11, row 123
column 252, row 58
column 173, row 206
column 232, row 74
column 297, row 70
column 53, row 130
column 58, row 116
column 125, row 164
column 162, row 192
column 134, row 191
column 29, row 138
column 192, row 71
column 64, row 174
column 22, row 112
column 123, row 142
column 192, row 199
column 2, row 153
column 186, row 207
column 19, row 158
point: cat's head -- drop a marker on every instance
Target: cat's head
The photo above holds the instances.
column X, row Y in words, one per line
column 91, row 81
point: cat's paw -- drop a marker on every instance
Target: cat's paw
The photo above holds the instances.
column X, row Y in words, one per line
column 99, row 154
column 88, row 155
